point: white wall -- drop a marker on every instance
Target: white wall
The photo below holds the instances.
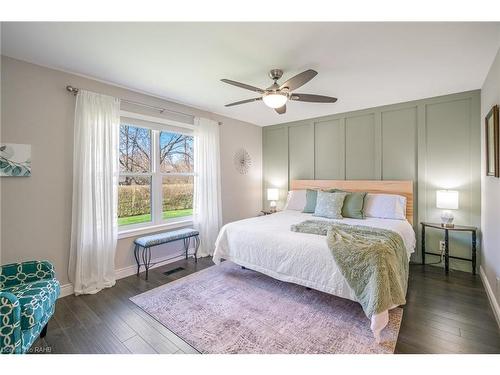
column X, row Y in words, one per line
column 36, row 211
column 490, row 188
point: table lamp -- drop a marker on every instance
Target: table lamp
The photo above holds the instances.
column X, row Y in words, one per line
column 273, row 196
column 447, row 200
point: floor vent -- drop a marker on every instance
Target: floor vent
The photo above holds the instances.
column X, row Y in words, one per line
column 174, row 271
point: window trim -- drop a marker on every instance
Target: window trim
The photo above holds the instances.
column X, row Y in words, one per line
column 157, row 222
column 156, row 120
column 137, row 231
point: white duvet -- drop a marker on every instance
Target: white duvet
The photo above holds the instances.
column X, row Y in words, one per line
column 267, row 245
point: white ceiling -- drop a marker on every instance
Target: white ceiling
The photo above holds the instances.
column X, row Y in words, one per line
column 362, row 64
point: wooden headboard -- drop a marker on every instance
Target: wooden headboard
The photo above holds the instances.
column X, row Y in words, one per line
column 403, row 187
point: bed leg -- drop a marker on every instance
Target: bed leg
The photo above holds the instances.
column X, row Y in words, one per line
column 378, row 323
column 376, row 335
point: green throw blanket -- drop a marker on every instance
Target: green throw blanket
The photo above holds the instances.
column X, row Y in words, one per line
column 373, row 261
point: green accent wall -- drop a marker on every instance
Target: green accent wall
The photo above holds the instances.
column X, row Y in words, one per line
column 435, row 142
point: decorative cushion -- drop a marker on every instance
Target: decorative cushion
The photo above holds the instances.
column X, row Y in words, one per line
column 353, row 204
column 385, row 206
column 329, row 205
column 311, row 197
column 296, row 200
column 35, row 299
column 160, row 238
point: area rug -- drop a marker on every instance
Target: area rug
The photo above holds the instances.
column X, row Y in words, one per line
column 227, row 309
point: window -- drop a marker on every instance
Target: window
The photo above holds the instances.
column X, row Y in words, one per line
column 156, row 174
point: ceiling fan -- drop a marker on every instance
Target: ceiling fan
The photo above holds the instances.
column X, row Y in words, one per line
column 276, row 95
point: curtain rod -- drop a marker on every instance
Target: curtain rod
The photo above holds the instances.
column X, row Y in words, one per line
column 74, row 91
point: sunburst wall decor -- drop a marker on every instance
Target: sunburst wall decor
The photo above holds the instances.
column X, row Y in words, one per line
column 242, row 161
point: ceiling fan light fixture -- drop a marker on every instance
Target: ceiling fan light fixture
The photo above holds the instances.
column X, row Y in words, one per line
column 276, row 95
column 275, row 99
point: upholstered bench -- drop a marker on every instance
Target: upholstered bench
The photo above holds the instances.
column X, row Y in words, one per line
column 147, row 242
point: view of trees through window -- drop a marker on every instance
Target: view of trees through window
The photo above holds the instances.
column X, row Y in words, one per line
column 173, row 177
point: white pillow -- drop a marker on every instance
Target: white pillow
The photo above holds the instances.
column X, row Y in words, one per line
column 296, row 200
column 385, row 206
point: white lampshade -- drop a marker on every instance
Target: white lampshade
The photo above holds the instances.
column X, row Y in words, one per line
column 447, row 199
column 275, row 100
column 272, row 194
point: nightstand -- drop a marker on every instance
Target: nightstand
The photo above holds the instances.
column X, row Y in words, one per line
column 447, row 256
column 266, row 212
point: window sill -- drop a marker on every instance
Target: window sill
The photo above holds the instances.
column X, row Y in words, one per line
column 135, row 232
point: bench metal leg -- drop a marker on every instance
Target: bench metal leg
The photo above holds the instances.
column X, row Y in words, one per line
column 136, row 256
column 146, row 259
column 149, row 261
column 197, row 245
column 187, row 241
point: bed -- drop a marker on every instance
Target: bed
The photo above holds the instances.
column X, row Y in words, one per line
column 267, row 245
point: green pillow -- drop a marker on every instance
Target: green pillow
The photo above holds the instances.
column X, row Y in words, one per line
column 311, row 197
column 353, row 204
column 330, row 205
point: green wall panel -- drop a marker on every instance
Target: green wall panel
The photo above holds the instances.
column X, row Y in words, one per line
column 301, row 142
column 399, row 132
column 275, row 161
column 329, row 150
column 360, row 148
column 448, row 165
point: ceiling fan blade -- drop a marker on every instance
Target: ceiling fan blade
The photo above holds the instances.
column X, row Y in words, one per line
column 281, row 110
column 299, row 80
column 312, row 98
column 243, row 102
column 243, row 86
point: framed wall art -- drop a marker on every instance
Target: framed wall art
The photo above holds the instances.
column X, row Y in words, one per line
column 491, row 132
column 15, row 160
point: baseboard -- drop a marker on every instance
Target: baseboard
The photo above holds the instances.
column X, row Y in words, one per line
column 66, row 290
column 491, row 295
column 121, row 273
column 132, row 270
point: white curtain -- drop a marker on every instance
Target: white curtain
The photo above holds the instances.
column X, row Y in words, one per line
column 95, row 192
column 207, row 206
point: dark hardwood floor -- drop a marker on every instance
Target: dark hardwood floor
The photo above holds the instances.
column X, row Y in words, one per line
column 447, row 314
column 444, row 314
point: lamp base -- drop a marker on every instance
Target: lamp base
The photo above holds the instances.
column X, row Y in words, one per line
column 447, row 219
column 272, row 206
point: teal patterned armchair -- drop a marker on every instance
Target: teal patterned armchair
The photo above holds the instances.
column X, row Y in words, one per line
column 28, row 294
